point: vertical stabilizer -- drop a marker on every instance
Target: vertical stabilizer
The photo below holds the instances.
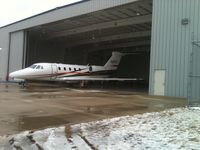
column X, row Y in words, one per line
column 114, row 61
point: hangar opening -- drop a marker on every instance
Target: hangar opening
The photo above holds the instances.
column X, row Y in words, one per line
column 91, row 38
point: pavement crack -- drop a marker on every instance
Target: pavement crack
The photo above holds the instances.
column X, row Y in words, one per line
column 88, row 143
column 30, row 137
column 68, row 134
column 17, row 147
column 11, row 141
column 39, row 147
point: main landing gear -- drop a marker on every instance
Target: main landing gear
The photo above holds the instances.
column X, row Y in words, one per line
column 23, row 84
column 83, row 84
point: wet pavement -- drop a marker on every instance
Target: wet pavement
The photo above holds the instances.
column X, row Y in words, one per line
column 40, row 106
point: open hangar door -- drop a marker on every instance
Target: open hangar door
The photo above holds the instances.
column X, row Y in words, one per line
column 91, row 38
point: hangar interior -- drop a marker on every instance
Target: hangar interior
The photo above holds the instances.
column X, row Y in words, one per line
column 90, row 39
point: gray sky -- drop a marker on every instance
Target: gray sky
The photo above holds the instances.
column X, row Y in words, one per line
column 15, row 10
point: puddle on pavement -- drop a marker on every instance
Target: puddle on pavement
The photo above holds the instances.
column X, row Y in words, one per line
column 40, row 122
column 28, row 123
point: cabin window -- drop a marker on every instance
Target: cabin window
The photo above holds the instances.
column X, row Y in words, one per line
column 41, row 67
column 79, row 69
column 38, row 67
column 70, row 69
column 90, row 68
column 59, row 68
column 74, row 69
column 64, row 68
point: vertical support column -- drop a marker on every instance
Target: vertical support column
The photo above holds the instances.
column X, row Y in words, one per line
column 24, row 50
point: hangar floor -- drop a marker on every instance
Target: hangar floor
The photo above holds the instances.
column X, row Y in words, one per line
column 42, row 106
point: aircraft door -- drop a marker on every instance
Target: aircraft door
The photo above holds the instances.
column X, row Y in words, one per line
column 54, row 71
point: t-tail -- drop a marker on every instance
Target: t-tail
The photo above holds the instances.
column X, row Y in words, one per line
column 113, row 62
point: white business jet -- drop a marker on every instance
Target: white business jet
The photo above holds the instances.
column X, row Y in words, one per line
column 69, row 72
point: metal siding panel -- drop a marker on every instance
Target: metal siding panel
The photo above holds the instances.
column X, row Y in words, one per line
column 196, row 15
column 178, row 34
column 198, row 20
column 195, row 87
column 166, row 52
column 194, row 94
column 171, row 42
column 156, row 46
column 153, row 43
column 182, row 35
column 160, row 45
column 4, row 43
column 187, row 46
column 156, row 43
column 174, row 55
column 180, row 49
column 16, row 51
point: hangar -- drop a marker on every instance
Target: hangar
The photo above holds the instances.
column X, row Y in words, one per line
column 158, row 32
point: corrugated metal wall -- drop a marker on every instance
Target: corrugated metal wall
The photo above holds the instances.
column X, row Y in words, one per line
column 4, row 44
column 172, row 42
column 16, row 51
column 194, row 75
column 12, row 53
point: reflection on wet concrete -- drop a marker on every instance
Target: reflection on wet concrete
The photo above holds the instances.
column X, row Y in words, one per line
column 41, row 106
column 38, row 122
column 109, row 110
column 29, row 123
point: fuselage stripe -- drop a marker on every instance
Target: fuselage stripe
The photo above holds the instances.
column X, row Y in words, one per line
column 73, row 74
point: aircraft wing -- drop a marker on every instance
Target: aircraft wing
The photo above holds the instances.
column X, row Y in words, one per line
column 99, row 79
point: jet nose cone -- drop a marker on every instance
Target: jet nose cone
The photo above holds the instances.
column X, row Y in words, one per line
column 11, row 75
column 16, row 74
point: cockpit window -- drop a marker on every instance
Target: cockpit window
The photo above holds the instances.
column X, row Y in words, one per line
column 36, row 67
column 33, row 66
